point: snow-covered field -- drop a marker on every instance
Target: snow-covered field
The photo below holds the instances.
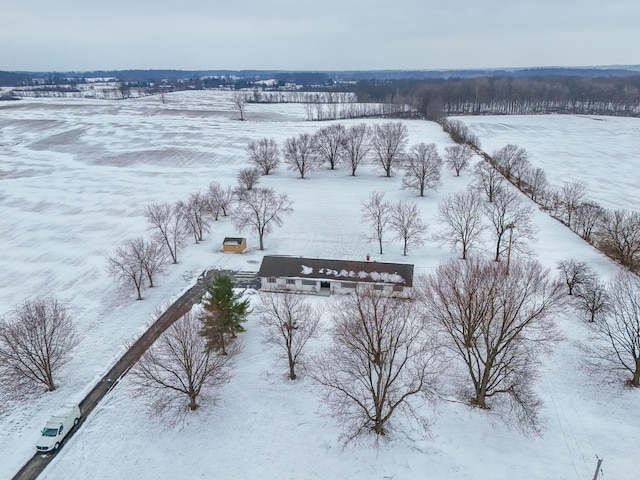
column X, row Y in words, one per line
column 601, row 152
column 75, row 175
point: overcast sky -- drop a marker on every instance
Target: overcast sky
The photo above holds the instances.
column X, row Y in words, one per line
column 64, row 35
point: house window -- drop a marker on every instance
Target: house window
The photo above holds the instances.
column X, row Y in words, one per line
column 397, row 288
column 347, row 284
column 271, row 280
column 378, row 286
column 309, row 282
column 291, row 281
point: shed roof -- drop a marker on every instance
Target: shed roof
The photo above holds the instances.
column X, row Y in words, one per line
column 232, row 240
column 328, row 269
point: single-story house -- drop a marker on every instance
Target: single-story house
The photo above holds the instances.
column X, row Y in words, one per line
column 325, row 276
column 234, row 245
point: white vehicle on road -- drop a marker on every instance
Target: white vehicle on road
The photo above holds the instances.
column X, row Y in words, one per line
column 63, row 420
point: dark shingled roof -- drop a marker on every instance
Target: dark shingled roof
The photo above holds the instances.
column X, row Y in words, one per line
column 345, row 270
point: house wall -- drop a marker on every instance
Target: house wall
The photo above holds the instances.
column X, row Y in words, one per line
column 336, row 286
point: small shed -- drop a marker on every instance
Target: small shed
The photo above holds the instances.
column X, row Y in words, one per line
column 234, row 245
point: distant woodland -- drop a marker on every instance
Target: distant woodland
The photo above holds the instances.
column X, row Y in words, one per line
column 437, row 98
column 430, row 94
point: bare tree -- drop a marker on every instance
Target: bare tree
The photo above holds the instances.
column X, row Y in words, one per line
column 537, row 180
column 587, row 220
column 35, row 342
column 299, row 154
column 178, row 369
column 219, row 199
column 422, row 168
column 125, row 267
column 239, row 101
column 151, row 255
column 376, row 213
column 457, row 157
column 572, row 196
column 461, row 212
column 498, row 326
column 355, row 145
column 620, row 332
column 136, row 259
column 195, row 213
column 487, row 179
column 379, row 362
column 620, row 237
column 125, row 90
column 575, row 273
column 388, row 143
column 261, row 209
column 248, row 178
column 264, row 154
column 214, row 192
column 592, row 298
column 166, row 225
column 511, row 160
column 507, row 214
column 327, row 143
column 405, row 221
column 289, row 323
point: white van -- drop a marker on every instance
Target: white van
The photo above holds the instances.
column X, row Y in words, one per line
column 65, row 418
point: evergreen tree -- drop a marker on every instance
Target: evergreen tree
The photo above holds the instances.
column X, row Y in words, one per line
column 224, row 312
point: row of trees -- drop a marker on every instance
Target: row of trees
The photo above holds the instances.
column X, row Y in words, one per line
column 491, row 328
column 388, row 355
column 402, row 218
column 486, row 205
column 615, row 232
column 489, row 325
column 383, row 144
column 612, row 310
column 439, row 98
column 319, row 106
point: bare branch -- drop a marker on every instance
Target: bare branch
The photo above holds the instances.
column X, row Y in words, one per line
column 422, row 167
column 380, row 362
column 178, row 369
column 167, row 227
column 388, row 143
column 264, row 154
column 289, row 322
column 34, row 343
column 376, row 213
column 405, row 220
column 261, row 209
column 327, row 142
column 355, row 145
column 497, row 325
column 457, row 157
column 299, row 154
column 461, row 214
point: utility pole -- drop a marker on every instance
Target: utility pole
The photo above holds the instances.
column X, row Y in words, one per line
column 595, row 475
column 510, row 227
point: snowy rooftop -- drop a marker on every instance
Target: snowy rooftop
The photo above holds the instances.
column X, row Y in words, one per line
column 322, row 268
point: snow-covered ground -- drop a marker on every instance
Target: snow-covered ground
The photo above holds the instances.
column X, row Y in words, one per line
column 75, row 175
column 601, row 152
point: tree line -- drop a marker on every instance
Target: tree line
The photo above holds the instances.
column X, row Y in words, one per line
column 438, row 98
